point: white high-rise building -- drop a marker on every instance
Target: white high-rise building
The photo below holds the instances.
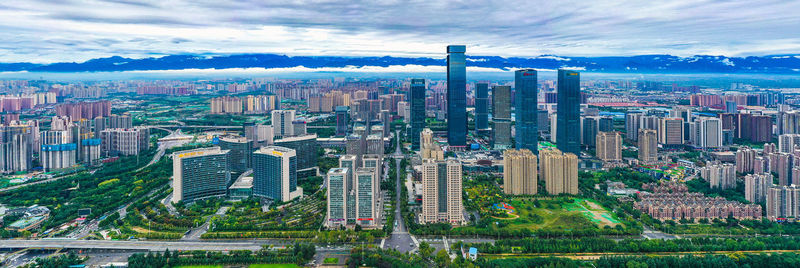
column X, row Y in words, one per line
column 786, row 142
column 337, row 196
column 282, row 123
column 756, row 187
column 441, row 192
column 710, row 133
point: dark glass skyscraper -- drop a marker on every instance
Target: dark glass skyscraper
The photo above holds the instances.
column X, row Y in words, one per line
column 481, row 106
column 456, row 96
column 526, row 102
column 568, row 112
column 417, row 94
column 501, row 117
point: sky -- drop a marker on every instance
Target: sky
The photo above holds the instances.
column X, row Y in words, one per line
column 45, row 31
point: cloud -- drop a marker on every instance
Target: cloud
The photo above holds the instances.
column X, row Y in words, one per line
column 50, row 30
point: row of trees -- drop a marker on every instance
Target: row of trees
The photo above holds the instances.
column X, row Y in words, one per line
column 531, row 245
column 297, row 253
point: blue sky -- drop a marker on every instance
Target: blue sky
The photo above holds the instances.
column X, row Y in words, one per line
column 45, row 31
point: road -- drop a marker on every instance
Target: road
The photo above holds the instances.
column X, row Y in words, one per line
column 138, row 245
column 400, row 239
column 194, row 234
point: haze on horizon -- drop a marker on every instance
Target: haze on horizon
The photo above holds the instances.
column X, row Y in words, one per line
column 45, row 31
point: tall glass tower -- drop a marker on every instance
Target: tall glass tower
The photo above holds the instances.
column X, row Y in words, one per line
column 526, row 102
column 568, row 112
column 456, row 96
column 481, row 106
column 417, row 93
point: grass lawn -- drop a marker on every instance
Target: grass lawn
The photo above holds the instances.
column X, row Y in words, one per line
column 331, row 261
column 554, row 215
column 199, row 266
column 273, row 266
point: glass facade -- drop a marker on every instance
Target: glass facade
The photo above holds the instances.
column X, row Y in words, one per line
column 204, row 176
column 417, row 110
column 526, row 103
column 568, row 112
column 481, row 106
column 456, row 96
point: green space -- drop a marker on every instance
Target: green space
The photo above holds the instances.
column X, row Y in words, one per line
column 291, row 256
column 331, row 261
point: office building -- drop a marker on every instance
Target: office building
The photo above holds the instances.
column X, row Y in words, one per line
column 605, row 124
column 501, row 117
column 527, row 116
column 275, row 174
column 670, row 131
column 648, row 145
column 710, row 133
column 520, row 172
column 417, row 93
column 374, row 144
column 441, row 192
column 456, row 96
column 559, row 171
column 337, row 196
column 482, row 106
column 366, row 194
column 609, row 146
column 756, row 187
column 306, row 148
column 375, row 162
column 568, row 111
column 342, row 120
column 589, row 131
column 241, row 152
column 199, row 174
column 282, row 123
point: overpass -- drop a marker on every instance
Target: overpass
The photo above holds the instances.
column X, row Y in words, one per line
column 189, row 126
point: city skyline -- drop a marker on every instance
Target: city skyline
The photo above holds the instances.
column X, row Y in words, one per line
column 45, row 31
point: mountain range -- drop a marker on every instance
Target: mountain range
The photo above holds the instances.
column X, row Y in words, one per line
column 775, row 64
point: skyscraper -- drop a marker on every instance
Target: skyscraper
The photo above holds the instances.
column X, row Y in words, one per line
column 282, row 123
column 456, row 96
column 337, row 195
column 342, row 120
column 417, row 110
column 526, row 103
column 568, row 111
column 365, row 196
column 710, row 133
column 756, row 187
column 501, row 117
column 588, row 131
column 241, row 152
column 199, row 173
column 482, row 106
column 275, row 174
column 632, row 122
column 519, row 172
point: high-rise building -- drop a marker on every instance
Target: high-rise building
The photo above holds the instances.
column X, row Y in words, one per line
column 501, row 117
column 428, row 147
column 275, row 174
column 366, row 194
column 200, row 173
column 745, row 159
column 730, row 107
column 756, row 187
column 609, row 146
column 588, row 131
column 710, row 133
column 342, row 120
column 306, row 148
column 559, row 171
column 520, row 172
column 782, row 163
column 670, row 131
column 241, row 152
column 441, row 192
column 648, row 145
column 568, row 111
column 456, row 96
column 337, row 196
column 482, row 106
column 282, row 123
column 16, row 147
column 526, row 102
column 787, row 142
column 719, row 175
column 783, row 202
column 374, row 144
column 789, row 122
column 417, row 93
column 122, row 141
column 605, row 124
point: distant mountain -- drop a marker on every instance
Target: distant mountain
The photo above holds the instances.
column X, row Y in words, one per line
column 778, row 64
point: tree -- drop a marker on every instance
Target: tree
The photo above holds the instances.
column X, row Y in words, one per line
column 425, row 250
column 442, row 258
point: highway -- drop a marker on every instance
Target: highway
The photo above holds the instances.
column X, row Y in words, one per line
column 136, row 245
column 400, row 239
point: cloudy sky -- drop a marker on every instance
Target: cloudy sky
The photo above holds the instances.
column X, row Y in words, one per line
column 73, row 30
